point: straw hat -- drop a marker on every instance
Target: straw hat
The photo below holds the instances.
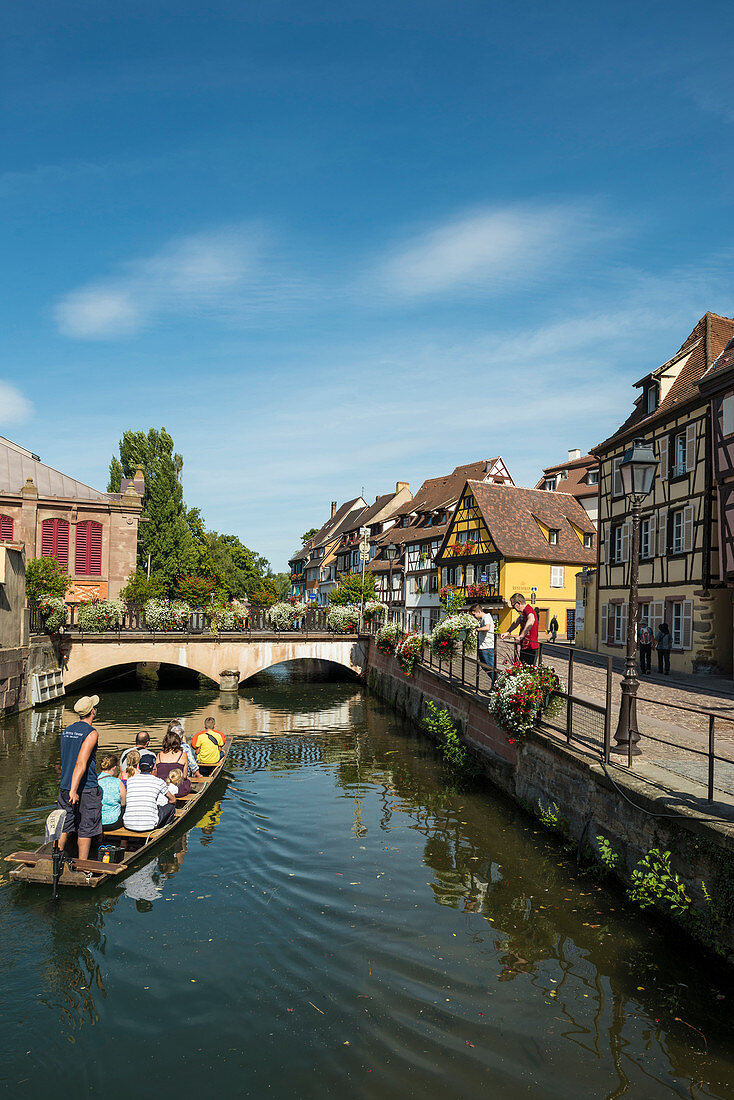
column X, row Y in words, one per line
column 86, row 705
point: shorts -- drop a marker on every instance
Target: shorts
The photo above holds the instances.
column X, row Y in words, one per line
column 85, row 818
column 528, row 656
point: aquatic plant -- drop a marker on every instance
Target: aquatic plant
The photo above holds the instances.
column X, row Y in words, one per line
column 441, row 727
column 607, row 854
column 655, row 883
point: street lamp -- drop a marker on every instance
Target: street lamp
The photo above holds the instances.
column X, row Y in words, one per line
column 637, row 470
column 391, row 552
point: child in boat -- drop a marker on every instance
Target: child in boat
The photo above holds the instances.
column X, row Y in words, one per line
column 175, row 781
column 132, row 762
column 113, row 791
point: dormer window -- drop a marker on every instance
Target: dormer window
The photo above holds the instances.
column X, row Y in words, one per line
column 651, row 398
column 593, row 477
column 563, row 475
column 553, row 536
column 550, row 484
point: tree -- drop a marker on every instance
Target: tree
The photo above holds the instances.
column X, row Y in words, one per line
column 263, row 592
column 351, row 588
column 165, row 534
column 310, row 534
column 139, row 589
column 195, row 590
column 282, row 583
column 45, row 577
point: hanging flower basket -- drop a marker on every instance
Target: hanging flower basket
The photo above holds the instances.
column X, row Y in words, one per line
column 167, row 615
column 343, row 618
column 99, row 616
column 388, row 637
column 446, row 635
column 523, row 694
column 374, row 609
column 54, row 612
column 409, row 652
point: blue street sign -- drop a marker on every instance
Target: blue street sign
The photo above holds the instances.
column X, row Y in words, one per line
column 483, row 578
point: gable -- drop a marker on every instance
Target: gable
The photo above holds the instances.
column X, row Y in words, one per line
column 467, row 533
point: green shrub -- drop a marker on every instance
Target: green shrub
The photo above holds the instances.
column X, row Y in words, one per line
column 45, row 577
column 655, row 883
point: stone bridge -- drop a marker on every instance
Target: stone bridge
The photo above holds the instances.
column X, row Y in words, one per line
column 228, row 661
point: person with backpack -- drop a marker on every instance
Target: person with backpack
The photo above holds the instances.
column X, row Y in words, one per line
column 208, row 745
column 644, row 640
column 553, row 629
column 662, row 644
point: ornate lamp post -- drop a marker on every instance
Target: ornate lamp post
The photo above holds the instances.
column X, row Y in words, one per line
column 637, row 469
column 391, row 552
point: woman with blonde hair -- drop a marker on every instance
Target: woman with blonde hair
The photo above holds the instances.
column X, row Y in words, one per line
column 132, row 760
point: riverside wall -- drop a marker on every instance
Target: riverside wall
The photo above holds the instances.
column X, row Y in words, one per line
column 17, row 665
column 617, row 805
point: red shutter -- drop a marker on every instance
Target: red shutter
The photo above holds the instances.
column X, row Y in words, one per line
column 88, row 550
column 6, row 529
column 55, row 540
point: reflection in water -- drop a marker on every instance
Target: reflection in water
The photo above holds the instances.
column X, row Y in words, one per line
column 343, row 916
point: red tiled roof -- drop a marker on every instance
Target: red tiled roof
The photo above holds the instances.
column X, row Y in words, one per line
column 438, row 492
column 722, row 365
column 510, row 514
column 704, row 345
column 576, row 482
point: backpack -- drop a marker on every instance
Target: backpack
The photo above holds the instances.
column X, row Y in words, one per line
column 645, row 637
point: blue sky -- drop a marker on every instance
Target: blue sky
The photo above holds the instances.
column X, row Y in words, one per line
column 338, row 245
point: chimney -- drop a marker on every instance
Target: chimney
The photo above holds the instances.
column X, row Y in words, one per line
column 333, row 508
column 400, row 485
column 573, row 455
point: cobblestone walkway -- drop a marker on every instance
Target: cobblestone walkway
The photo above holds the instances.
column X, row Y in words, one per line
column 673, row 715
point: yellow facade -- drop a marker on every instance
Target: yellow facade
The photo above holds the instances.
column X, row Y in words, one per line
column 533, row 579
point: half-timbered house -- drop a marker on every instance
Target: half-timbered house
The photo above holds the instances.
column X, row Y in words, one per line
column 579, row 476
column 410, row 584
column 376, row 518
column 679, row 578
column 312, row 562
column 503, row 539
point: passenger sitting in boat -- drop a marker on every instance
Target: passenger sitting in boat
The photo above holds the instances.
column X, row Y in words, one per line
column 132, row 759
column 176, row 782
column 208, row 745
column 142, row 741
column 171, row 758
column 142, row 812
column 176, row 726
column 113, row 791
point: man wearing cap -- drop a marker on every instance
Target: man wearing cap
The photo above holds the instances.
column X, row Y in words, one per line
column 149, row 804
column 79, row 792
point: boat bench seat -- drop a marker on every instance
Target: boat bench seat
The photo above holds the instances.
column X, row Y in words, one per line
column 130, row 833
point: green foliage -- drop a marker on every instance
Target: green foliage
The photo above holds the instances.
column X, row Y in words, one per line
column 166, row 536
column 551, row 818
column 442, row 729
column 612, row 860
column 655, row 883
column 97, row 616
column 282, row 582
column 54, row 613
column 309, row 534
column 175, row 538
column 139, row 589
column 45, row 577
column 195, row 590
column 352, row 587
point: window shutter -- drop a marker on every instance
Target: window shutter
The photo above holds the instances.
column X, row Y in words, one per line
column 657, row 614
column 617, row 487
column 686, row 629
column 603, row 610
column 663, row 455
column 688, row 527
column 55, row 540
column 624, row 610
column 6, row 529
column 663, row 532
column 625, row 555
column 651, row 539
column 690, row 447
column 603, row 543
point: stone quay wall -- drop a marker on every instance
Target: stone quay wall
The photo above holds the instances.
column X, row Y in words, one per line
column 592, row 802
column 17, row 665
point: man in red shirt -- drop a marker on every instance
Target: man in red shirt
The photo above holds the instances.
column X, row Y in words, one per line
column 527, row 620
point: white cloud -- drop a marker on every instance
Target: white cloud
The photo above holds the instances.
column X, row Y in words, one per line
column 204, row 273
column 14, row 407
column 486, row 249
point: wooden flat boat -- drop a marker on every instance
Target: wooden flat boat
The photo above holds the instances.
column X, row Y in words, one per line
column 37, row 866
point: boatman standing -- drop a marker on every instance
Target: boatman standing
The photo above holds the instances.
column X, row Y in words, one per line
column 79, row 792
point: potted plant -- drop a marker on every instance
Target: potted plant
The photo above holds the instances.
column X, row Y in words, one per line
column 447, row 634
column 99, row 616
column 388, row 636
column 522, row 695
column 409, row 652
column 343, row 618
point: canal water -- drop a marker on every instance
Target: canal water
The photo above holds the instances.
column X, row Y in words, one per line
column 342, row 918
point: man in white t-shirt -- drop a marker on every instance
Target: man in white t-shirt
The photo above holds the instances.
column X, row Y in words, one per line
column 142, row 811
column 485, row 637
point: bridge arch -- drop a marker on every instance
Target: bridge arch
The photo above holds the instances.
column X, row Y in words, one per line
column 209, row 656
